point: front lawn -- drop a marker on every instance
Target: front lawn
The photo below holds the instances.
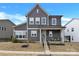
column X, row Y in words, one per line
column 35, row 47
column 67, row 47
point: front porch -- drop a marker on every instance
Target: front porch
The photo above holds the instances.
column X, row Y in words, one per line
column 52, row 35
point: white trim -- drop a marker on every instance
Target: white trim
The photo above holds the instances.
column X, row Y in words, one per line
column 43, row 19
column 40, row 36
column 27, row 27
column 46, row 28
column 33, row 32
column 31, row 19
column 20, row 32
column 54, row 19
column 62, row 35
column 37, row 19
column 48, row 20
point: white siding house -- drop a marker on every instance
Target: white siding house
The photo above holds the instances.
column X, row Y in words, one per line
column 72, row 30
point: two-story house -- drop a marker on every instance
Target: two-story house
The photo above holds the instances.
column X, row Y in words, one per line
column 40, row 26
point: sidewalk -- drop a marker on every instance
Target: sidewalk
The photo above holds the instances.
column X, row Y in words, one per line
column 22, row 52
column 41, row 53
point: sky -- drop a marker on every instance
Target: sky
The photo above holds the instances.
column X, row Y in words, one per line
column 16, row 12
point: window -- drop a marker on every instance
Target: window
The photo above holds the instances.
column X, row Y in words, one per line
column 43, row 20
column 54, row 21
column 31, row 20
column 37, row 20
column 33, row 33
column 72, row 29
column 50, row 34
column 20, row 34
column 1, row 28
column 37, row 10
column 24, row 36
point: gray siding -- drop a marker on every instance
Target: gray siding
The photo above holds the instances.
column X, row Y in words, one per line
column 34, row 38
column 35, row 14
column 40, row 14
column 9, row 29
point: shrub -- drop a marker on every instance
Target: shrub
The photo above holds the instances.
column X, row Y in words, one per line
column 14, row 40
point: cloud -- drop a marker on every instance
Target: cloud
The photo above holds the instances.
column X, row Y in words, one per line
column 65, row 20
column 16, row 18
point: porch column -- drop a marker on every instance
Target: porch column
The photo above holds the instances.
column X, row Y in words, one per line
column 13, row 33
column 62, row 35
column 40, row 36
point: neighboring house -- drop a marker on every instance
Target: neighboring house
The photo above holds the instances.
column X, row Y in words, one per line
column 41, row 26
column 72, row 30
column 6, row 29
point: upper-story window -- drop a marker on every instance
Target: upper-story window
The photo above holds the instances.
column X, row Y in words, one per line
column 37, row 10
column 54, row 21
column 37, row 20
column 31, row 20
column 43, row 20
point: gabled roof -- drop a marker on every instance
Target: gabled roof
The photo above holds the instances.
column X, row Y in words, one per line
column 71, row 21
column 37, row 6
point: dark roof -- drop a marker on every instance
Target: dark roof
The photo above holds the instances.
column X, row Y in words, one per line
column 37, row 5
column 55, row 15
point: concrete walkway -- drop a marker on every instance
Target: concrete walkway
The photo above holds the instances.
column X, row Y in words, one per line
column 46, row 48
